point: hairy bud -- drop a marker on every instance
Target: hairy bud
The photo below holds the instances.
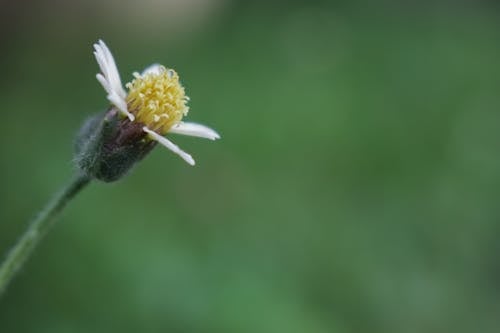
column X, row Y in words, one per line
column 108, row 145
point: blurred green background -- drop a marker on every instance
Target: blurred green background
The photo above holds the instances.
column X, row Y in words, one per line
column 355, row 189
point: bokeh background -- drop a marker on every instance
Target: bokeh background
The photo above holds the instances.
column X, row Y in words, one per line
column 356, row 187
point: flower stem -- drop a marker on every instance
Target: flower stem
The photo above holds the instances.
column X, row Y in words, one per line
column 38, row 227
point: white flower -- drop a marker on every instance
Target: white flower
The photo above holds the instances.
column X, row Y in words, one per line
column 155, row 99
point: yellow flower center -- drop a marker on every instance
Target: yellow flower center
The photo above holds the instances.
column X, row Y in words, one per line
column 157, row 99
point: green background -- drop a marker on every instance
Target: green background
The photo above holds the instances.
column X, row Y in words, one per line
column 355, row 187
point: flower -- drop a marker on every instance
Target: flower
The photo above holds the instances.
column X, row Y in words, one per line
column 155, row 103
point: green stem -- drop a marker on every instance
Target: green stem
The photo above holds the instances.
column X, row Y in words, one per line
column 38, row 227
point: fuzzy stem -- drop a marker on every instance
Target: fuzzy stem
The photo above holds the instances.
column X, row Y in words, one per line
column 38, row 227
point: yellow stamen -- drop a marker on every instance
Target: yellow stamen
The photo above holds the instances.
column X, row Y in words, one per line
column 157, row 99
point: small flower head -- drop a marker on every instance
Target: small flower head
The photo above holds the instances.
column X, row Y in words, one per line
column 157, row 99
column 111, row 143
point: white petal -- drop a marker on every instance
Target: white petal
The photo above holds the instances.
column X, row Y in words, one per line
column 114, row 75
column 153, row 69
column 121, row 105
column 103, row 65
column 110, row 78
column 193, row 129
column 170, row 145
column 103, row 81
